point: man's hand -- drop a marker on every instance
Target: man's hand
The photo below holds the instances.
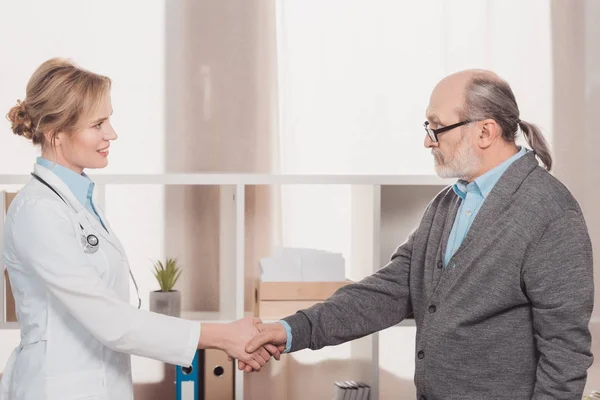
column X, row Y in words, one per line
column 271, row 337
column 233, row 338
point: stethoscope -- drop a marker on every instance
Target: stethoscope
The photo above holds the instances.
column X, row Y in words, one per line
column 90, row 242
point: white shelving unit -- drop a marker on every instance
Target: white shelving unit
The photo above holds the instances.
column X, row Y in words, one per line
column 384, row 209
column 247, row 179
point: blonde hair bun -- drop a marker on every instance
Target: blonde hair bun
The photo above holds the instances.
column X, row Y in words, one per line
column 20, row 120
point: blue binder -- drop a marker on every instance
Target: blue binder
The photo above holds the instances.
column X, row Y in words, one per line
column 187, row 380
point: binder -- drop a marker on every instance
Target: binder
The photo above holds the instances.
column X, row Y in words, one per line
column 351, row 390
column 210, row 377
column 217, row 376
column 339, row 391
column 187, row 382
column 366, row 391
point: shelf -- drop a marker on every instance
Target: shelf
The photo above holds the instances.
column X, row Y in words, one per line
column 215, row 317
column 405, row 323
column 381, row 211
column 206, row 316
column 249, row 179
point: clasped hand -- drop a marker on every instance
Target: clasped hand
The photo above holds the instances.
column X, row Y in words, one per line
column 251, row 342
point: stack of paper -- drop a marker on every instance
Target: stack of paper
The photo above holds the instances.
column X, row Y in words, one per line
column 302, row 265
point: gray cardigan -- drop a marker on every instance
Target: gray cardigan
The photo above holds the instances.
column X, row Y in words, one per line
column 507, row 320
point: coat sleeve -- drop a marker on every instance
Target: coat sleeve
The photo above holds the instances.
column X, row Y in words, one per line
column 48, row 246
column 375, row 303
column 558, row 280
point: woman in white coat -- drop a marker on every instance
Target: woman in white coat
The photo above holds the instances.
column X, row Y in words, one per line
column 69, row 272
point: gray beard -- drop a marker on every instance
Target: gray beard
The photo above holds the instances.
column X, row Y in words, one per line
column 464, row 164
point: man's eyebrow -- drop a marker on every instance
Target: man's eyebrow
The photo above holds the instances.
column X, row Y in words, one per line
column 433, row 118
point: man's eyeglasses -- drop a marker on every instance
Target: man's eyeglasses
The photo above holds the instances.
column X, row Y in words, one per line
column 433, row 133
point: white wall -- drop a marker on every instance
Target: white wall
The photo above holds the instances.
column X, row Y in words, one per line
column 353, row 98
column 98, row 36
column 125, row 41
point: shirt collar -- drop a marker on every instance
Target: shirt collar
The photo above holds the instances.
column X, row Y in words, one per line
column 81, row 185
column 486, row 182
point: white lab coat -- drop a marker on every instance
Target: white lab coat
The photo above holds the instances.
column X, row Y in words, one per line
column 78, row 328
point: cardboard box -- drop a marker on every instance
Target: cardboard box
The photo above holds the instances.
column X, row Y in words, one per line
column 280, row 291
column 275, row 300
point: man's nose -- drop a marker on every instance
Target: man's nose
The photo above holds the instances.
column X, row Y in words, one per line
column 429, row 143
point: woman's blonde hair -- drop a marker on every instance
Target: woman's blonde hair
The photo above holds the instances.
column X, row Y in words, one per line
column 58, row 95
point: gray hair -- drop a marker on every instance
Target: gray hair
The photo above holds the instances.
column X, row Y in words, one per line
column 490, row 97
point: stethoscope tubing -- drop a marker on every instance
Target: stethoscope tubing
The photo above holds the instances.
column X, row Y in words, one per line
column 91, row 242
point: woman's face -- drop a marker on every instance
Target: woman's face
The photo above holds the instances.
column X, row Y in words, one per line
column 88, row 147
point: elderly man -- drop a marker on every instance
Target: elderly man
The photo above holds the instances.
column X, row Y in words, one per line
column 498, row 274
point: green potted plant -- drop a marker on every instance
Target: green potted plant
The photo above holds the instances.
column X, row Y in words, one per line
column 166, row 300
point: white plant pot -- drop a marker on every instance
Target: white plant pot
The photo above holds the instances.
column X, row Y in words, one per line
column 167, row 303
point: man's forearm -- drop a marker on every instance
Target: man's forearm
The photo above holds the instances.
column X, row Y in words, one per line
column 377, row 302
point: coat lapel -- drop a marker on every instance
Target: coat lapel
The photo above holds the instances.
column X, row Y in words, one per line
column 499, row 198
column 107, row 233
column 99, row 229
column 435, row 255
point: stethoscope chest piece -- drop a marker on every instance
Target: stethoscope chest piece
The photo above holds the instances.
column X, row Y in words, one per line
column 90, row 243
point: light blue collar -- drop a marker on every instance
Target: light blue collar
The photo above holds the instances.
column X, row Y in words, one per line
column 81, row 185
column 486, row 182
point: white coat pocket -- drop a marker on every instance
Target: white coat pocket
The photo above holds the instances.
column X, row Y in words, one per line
column 85, row 385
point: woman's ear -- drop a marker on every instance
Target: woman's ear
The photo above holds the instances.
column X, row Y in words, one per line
column 48, row 138
column 53, row 139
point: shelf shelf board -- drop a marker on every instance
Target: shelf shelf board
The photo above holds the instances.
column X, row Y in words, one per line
column 206, row 316
column 217, row 317
column 406, row 322
column 211, row 316
column 248, row 179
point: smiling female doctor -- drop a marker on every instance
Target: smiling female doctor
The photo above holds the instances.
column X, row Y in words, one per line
column 68, row 270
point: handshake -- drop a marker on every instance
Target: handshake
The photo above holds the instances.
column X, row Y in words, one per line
column 247, row 340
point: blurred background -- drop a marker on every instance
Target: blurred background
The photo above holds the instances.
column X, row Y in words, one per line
column 294, row 87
